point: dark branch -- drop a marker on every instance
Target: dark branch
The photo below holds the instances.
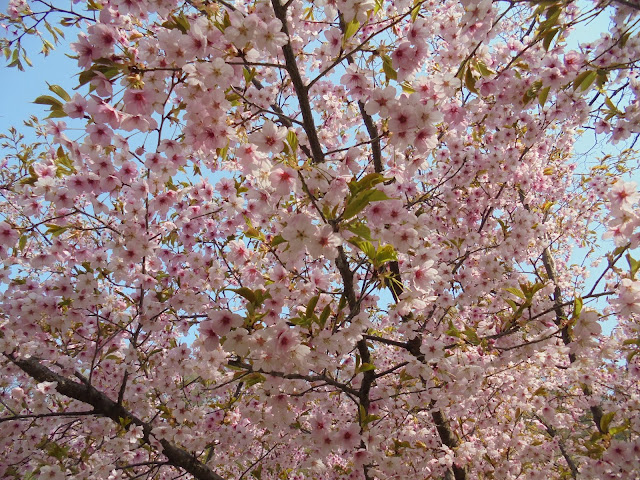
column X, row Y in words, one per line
column 103, row 405
column 298, row 85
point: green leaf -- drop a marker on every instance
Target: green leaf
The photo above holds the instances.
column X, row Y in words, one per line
column 48, row 100
column 292, row 140
column 415, row 10
column 124, row 421
column 633, row 266
column 541, row 391
column 619, row 250
column 86, row 76
column 611, row 105
column 606, row 420
column 63, row 163
column 22, row 242
column 360, row 202
column 252, row 232
column 452, row 330
column 385, row 254
column 277, row 240
column 512, row 304
column 58, row 90
column 351, row 29
column 246, row 293
column 531, row 289
column 516, row 292
column 366, row 246
column 180, row 22
column 360, row 229
column 222, row 152
column 472, row 336
column 249, row 75
column 365, row 183
column 407, row 88
column 311, row 306
column 548, row 37
column 470, row 81
column 532, row 92
column 253, row 379
column 577, row 307
column 542, row 96
column 620, row 428
column 584, row 80
column 56, row 230
column 369, row 418
column 301, row 321
column 484, row 70
column 553, row 13
column 324, row 316
column 387, row 68
column 56, row 113
column 366, row 367
column 257, row 472
column 601, row 78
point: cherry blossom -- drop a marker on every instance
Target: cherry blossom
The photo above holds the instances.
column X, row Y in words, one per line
column 345, row 239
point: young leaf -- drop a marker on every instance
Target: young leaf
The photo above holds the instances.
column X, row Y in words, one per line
column 385, row 254
column 542, row 96
column 577, row 307
column 311, row 306
column 361, row 200
column 387, row 68
column 606, row 420
column 48, row 100
column 351, row 29
column 58, row 90
column 246, row 293
column 292, row 140
column 324, row 316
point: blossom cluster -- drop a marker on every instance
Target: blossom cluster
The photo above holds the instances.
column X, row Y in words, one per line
column 324, row 240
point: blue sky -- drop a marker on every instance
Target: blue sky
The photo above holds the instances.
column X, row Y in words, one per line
column 19, row 89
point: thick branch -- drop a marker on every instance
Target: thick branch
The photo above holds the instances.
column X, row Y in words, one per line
column 36, row 416
column 299, row 86
column 549, row 266
column 552, row 433
column 103, row 405
column 449, row 439
column 629, row 3
column 560, row 320
column 372, row 129
column 296, row 376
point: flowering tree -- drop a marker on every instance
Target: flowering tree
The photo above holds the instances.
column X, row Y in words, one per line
column 330, row 239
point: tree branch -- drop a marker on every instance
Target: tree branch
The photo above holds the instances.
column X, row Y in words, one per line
column 103, row 405
column 46, row 415
column 298, row 85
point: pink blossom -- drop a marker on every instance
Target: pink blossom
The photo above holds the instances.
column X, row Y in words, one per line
column 222, row 322
column 269, row 138
column 8, row 236
column 137, row 102
column 628, row 300
column 76, row 107
column 624, row 195
column 100, row 134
